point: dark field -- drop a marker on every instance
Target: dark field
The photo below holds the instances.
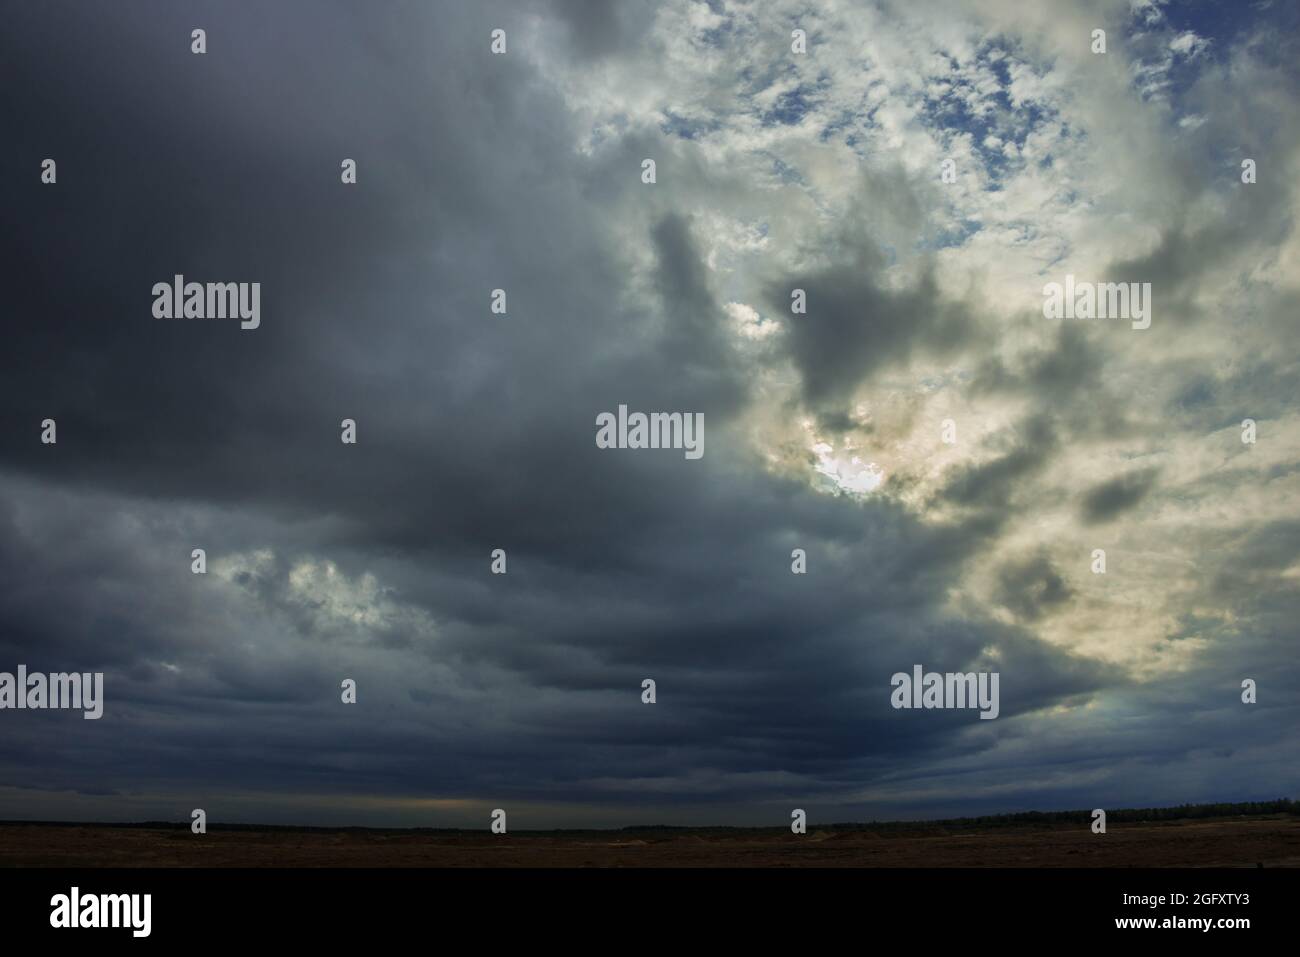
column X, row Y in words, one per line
column 1271, row 841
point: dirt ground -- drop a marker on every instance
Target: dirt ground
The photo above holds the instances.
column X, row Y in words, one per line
column 1230, row 842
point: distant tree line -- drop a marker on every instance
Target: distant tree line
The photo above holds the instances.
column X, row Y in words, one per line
column 1181, row 812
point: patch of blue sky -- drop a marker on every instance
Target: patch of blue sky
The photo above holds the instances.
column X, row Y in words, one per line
column 717, row 36
column 993, row 126
column 1225, row 22
column 951, row 114
column 837, row 125
column 996, row 58
column 793, row 105
column 1222, row 24
column 855, row 121
column 687, row 128
column 753, row 83
column 1159, row 75
column 950, row 237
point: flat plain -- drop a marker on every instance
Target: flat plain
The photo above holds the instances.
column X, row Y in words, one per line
column 1268, row 841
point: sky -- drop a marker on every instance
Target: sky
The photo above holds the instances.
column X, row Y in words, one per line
column 823, row 430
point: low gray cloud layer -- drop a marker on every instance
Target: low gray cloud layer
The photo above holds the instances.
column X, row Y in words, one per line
column 475, row 430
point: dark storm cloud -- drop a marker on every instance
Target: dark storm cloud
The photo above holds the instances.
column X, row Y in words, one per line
column 695, row 341
column 1255, row 562
column 992, row 482
column 597, row 29
column 1052, row 375
column 738, row 646
column 476, row 431
column 1032, row 587
column 854, row 326
column 1112, row 498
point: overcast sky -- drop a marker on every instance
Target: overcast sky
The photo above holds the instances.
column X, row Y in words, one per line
column 523, row 171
